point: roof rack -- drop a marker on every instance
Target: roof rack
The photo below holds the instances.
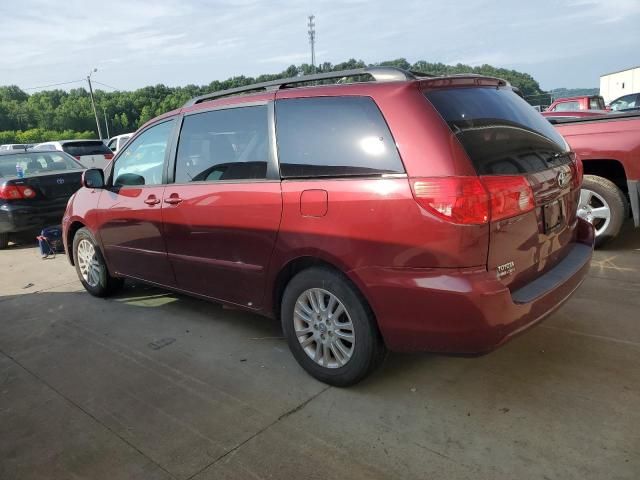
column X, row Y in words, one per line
column 379, row 74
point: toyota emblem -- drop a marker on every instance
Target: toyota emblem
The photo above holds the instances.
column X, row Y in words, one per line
column 563, row 179
column 60, row 181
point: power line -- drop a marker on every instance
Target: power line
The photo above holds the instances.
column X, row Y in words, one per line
column 105, row 85
column 53, row 85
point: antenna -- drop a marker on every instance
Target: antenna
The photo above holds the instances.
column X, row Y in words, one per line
column 312, row 41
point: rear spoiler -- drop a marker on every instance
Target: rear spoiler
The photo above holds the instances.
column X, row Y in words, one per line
column 464, row 80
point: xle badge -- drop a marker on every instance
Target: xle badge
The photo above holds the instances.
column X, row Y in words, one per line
column 506, row 269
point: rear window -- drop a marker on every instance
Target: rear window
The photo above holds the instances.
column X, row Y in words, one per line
column 36, row 163
column 78, row 149
column 501, row 133
column 334, row 137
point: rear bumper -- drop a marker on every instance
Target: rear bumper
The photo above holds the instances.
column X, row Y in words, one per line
column 467, row 311
column 20, row 218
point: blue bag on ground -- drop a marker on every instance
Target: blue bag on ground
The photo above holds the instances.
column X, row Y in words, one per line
column 50, row 241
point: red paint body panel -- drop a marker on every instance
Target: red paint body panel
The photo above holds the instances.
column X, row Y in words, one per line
column 220, row 238
column 609, row 138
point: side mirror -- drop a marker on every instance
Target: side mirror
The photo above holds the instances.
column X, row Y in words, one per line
column 129, row 179
column 93, row 178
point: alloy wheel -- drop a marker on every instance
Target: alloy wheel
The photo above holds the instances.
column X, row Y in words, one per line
column 88, row 262
column 324, row 328
column 595, row 209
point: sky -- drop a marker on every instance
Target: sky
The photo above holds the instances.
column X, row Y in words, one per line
column 561, row 43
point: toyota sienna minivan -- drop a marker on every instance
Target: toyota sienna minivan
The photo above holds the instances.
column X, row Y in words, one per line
column 385, row 211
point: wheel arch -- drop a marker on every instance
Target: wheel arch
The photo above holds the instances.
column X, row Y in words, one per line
column 71, row 233
column 298, row 264
column 611, row 169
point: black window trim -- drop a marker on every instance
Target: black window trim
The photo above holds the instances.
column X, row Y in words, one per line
column 170, row 143
column 363, row 176
column 273, row 171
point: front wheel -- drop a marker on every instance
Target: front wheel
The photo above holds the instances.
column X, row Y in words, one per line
column 604, row 205
column 91, row 267
column 330, row 329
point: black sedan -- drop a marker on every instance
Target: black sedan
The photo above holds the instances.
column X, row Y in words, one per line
column 34, row 189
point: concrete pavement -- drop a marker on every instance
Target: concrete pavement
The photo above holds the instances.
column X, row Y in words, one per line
column 154, row 385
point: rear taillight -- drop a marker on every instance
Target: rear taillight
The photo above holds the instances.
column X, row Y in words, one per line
column 77, row 157
column 456, row 199
column 108, row 156
column 16, row 192
column 474, row 200
column 578, row 172
column 510, row 196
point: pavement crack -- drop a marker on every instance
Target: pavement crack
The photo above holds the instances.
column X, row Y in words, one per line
column 259, row 432
column 87, row 413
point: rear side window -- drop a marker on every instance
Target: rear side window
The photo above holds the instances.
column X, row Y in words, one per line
column 334, row 137
column 501, row 133
column 596, row 103
column 220, row 145
column 78, row 149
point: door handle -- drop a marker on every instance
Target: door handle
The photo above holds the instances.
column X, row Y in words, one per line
column 173, row 199
column 152, row 200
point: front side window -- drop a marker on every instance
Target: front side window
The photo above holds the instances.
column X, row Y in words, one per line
column 142, row 162
column 231, row 144
column 334, row 137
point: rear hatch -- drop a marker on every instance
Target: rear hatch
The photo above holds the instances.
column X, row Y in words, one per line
column 90, row 153
column 531, row 177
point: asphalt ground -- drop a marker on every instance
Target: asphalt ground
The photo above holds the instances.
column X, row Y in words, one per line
column 154, row 385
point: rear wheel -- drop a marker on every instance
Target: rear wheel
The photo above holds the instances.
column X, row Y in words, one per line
column 4, row 240
column 603, row 204
column 329, row 327
column 91, row 267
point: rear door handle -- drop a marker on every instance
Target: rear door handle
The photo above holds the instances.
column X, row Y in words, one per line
column 173, row 199
column 152, row 200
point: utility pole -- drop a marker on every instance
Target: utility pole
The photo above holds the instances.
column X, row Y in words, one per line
column 106, row 124
column 93, row 102
column 312, row 41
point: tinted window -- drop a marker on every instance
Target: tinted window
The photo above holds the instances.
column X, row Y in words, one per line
column 334, row 136
column 500, row 131
column 142, row 161
column 228, row 144
column 567, row 107
column 78, row 149
column 596, row 103
column 623, row 103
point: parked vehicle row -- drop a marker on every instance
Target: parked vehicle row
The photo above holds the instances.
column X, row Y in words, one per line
column 411, row 214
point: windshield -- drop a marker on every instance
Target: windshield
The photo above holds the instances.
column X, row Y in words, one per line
column 78, row 149
column 36, row 163
column 501, row 132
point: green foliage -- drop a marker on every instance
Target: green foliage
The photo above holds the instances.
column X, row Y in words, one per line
column 56, row 114
column 574, row 92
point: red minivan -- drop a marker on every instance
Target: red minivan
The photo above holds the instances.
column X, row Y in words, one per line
column 390, row 212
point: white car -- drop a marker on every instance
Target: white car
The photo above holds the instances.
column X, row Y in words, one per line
column 14, row 146
column 90, row 153
column 116, row 143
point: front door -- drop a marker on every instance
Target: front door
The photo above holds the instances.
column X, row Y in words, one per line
column 131, row 208
column 222, row 214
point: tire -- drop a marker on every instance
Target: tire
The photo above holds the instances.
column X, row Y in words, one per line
column 603, row 204
column 91, row 267
column 4, row 240
column 346, row 362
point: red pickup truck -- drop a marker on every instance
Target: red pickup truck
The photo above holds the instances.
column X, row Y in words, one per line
column 609, row 147
column 574, row 104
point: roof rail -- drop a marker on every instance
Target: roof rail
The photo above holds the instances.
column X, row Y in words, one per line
column 379, row 74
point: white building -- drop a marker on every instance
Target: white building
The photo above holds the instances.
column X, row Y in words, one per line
column 616, row 84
